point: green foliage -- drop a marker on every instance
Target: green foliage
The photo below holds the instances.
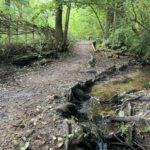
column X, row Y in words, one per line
column 125, row 39
column 125, row 131
column 142, row 47
column 119, row 39
column 83, row 24
column 124, row 128
column 131, row 33
column 121, row 25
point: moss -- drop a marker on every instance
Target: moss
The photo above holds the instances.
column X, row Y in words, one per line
column 102, row 110
column 93, row 108
column 137, row 80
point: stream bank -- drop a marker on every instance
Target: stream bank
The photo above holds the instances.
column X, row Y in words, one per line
column 116, row 118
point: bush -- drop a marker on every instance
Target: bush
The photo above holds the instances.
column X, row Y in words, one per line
column 142, row 47
column 119, row 39
column 124, row 39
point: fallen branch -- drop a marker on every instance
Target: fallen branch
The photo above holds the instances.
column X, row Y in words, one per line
column 126, row 144
column 128, row 119
column 144, row 98
column 119, row 119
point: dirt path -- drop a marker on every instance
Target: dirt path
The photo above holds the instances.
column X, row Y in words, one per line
column 27, row 105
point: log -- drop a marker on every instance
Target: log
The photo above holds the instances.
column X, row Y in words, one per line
column 119, row 119
column 139, row 98
column 144, row 98
column 128, row 119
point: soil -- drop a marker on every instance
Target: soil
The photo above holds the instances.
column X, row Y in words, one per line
column 29, row 96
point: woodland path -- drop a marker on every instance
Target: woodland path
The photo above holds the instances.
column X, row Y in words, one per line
column 26, row 103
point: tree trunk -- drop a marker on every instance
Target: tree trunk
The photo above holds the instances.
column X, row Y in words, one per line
column 114, row 12
column 58, row 26
column 99, row 21
column 67, row 24
column 7, row 4
column 109, row 18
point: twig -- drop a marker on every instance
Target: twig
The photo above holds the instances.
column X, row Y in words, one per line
column 140, row 146
column 124, row 142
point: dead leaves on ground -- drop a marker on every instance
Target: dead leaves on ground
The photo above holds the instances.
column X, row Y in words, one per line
column 59, row 140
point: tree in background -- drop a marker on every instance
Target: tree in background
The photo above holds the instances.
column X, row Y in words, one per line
column 60, row 36
column 58, row 24
column 117, row 24
column 65, row 37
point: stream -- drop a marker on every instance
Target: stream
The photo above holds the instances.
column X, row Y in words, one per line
column 118, row 114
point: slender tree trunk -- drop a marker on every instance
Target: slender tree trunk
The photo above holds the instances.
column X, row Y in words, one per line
column 109, row 17
column 114, row 11
column 58, row 26
column 7, row 4
column 67, row 23
column 99, row 21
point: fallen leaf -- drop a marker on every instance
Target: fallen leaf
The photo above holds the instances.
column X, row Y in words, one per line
column 34, row 121
column 140, row 114
column 60, row 144
column 54, row 138
column 44, row 122
column 50, row 97
column 38, row 108
column 23, row 145
column 60, row 139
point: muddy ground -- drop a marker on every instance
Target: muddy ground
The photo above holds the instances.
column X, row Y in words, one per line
column 27, row 99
